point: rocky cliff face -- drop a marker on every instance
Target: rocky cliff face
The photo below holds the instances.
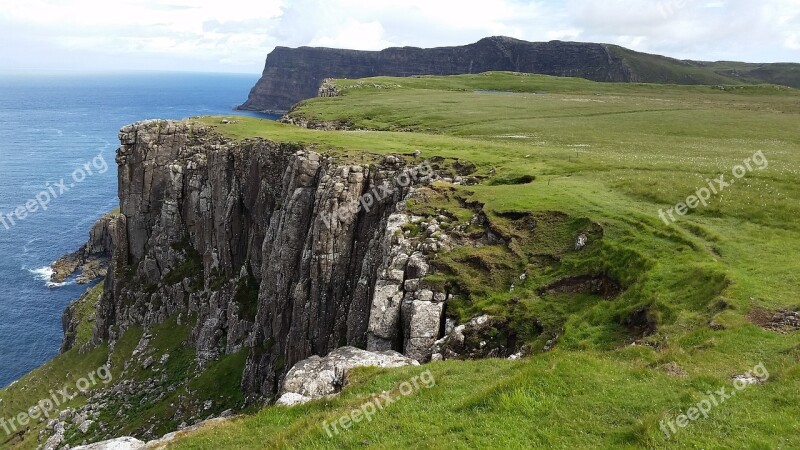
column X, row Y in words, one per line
column 291, row 75
column 260, row 246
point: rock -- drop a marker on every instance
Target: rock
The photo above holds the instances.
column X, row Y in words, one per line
column 425, row 295
column 317, row 377
column 482, row 337
column 66, row 415
column 411, row 285
column 417, row 266
column 57, row 438
column 783, row 321
column 422, row 320
column 583, row 239
column 328, row 88
column 147, row 362
column 291, row 399
column 747, row 380
column 85, row 425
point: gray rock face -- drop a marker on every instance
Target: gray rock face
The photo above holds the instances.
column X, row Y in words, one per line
column 291, row 75
column 318, row 377
column 258, row 242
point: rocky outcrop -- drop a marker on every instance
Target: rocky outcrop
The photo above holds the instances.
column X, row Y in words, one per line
column 90, row 261
column 328, row 88
column 291, row 75
column 481, row 337
column 317, row 377
column 265, row 246
column 783, row 321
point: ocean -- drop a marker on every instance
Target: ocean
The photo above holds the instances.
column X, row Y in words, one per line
column 64, row 127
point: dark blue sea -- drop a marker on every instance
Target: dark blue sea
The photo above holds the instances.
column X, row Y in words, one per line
column 64, row 126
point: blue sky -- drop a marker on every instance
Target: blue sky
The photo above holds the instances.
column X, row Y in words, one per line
column 236, row 35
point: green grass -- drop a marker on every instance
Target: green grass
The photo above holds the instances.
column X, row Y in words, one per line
column 559, row 400
column 578, row 156
column 556, row 158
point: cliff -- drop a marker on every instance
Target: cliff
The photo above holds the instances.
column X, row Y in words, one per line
column 291, row 75
column 249, row 242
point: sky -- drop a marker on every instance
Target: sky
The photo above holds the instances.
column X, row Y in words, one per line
column 236, row 35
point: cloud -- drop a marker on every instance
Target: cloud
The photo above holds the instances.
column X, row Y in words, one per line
column 236, row 35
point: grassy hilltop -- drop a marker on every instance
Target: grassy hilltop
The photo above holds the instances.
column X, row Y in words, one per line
column 556, row 158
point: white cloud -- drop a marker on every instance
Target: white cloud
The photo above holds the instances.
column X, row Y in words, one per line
column 354, row 34
column 236, row 35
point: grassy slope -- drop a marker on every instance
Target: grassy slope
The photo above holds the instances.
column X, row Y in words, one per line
column 614, row 154
column 142, row 413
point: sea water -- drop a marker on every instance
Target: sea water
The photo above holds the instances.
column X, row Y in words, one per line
column 58, row 140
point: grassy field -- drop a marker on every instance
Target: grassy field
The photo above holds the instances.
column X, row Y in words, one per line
column 611, row 155
column 574, row 157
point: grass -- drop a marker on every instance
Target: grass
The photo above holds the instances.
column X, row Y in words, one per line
column 559, row 400
column 578, row 156
column 557, row 158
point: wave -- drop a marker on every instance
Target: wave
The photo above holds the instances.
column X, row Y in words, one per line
column 42, row 273
column 45, row 274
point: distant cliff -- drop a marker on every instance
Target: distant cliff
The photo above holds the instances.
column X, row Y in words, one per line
column 291, row 75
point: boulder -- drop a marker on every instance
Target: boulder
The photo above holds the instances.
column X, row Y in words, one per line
column 318, row 377
column 422, row 320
